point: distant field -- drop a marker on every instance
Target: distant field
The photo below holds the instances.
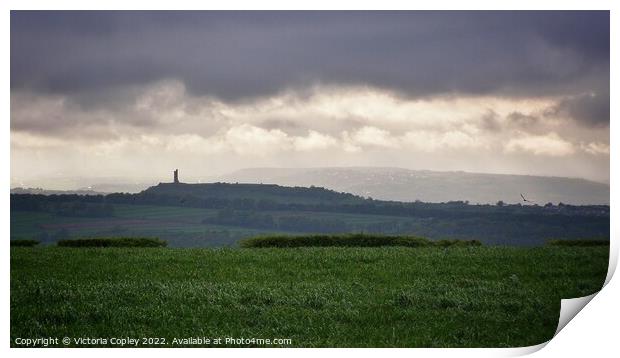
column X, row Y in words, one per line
column 201, row 227
column 180, row 226
column 317, row 297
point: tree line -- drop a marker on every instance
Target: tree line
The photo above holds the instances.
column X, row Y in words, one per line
column 99, row 205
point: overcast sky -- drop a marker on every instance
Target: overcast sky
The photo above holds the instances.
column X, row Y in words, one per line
column 137, row 94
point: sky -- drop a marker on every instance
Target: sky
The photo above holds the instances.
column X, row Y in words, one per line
column 137, row 94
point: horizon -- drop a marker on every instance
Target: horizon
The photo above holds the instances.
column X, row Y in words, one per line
column 391, row 184
column 87, row 181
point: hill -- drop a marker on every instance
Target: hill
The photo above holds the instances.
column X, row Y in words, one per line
column 40, row 191
column 257, row 192
column 432, row 186
column 220, row 214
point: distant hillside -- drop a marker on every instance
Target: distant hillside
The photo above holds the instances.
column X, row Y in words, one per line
column 432, row 186
column 55, row 192
column 257, row 192
column 221, row 213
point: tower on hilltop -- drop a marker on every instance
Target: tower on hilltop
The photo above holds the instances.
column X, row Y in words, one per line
column 176, row 176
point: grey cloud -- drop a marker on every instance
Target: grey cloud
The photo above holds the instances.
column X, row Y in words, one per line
column 591, row 108
column 236, row 55
column 62, row 116
column 279, row 124
column 522, row 120
column 490, row 121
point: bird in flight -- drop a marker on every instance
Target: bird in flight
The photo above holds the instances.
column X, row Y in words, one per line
column 524, row 199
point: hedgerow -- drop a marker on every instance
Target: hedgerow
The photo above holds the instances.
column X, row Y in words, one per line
column 351, row 240
column 582, row 243
column 24, row 243
column 114, row 242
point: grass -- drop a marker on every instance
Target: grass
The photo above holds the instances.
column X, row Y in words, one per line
column 350, row 240
column 317, row 297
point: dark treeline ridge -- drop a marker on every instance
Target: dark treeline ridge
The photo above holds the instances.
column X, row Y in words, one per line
column 351, row 240
column 24, row 242
column 73, row 205
column 98, row 205
column 578, row 243
column 114, row 242
column 269, row 192
column 319, row 211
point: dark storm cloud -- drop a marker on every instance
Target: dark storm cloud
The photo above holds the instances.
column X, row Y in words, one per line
column 590, row 108
column 237, row 55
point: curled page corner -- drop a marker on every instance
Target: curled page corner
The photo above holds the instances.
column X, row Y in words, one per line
column 570, row 308
column 523, row 351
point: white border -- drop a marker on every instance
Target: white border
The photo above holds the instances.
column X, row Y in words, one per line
column 594, row 330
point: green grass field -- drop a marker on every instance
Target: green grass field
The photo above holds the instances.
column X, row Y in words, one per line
column 316, row 297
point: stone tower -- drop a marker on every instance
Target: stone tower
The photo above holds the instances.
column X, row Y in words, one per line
column 176, row 176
